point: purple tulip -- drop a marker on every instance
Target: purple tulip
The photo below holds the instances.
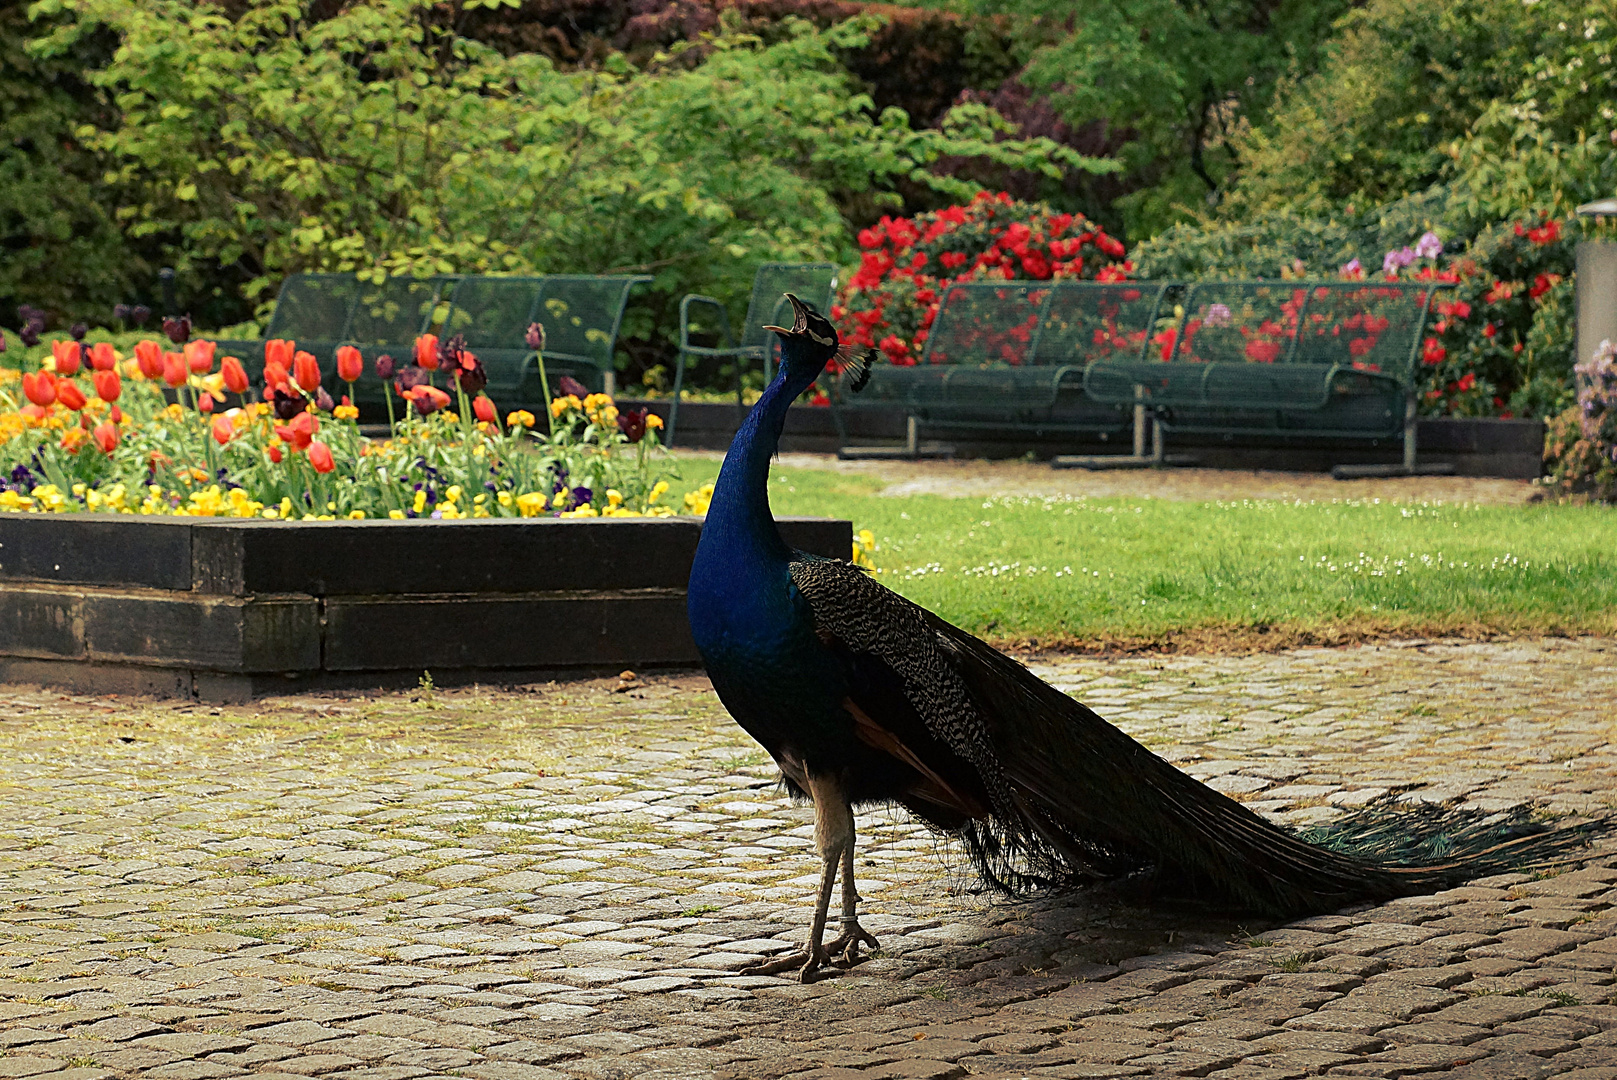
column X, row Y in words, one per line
column 178, row 328
column 139, row 314
column 410, row 378
column 322, row 400
column 286, row 406
column 536, row 336
column 78, row 331
column 385, row 367
column 568, row 385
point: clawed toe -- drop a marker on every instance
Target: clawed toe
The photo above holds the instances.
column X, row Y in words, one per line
column 804, row 961
column 846, row 947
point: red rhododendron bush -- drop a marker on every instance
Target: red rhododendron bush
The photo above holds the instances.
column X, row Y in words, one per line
column 907, row 264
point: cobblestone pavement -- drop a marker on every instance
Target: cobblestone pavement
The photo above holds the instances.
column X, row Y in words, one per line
column 563, row 881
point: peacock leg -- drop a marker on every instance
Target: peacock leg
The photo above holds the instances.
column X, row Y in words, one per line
column 846, row 946
column 833, row 835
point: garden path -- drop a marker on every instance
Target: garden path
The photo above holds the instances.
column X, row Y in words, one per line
column 562, row 881
column 976, row 477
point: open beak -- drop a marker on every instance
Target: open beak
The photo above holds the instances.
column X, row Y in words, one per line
column 799, row 318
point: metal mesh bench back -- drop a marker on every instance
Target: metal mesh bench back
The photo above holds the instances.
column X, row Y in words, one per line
column 492, row 312
column 581, row 315
column 987, row 324
column 1369, row 326
column 1086, row 321
column 314, row 308
column 395, row 312
column 811, row 282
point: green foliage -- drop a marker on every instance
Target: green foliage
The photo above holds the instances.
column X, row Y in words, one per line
column 62, row 249
column 381, row 141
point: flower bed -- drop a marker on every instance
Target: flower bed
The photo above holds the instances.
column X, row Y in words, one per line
column 179, row 431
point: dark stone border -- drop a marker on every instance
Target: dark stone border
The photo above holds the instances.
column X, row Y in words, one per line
column 228, row 608
column 1475, row 447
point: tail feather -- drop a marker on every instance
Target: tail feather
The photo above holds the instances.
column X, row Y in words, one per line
column 1094, row 803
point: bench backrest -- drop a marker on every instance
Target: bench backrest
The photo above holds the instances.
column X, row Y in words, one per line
column 1042, row 323
column 581, row 313
column 314, row 307
column 813, row 283
column 1369, row 325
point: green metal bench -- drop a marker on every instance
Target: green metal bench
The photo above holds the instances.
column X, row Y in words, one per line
column 1010, row 356
column 581, row 314
column 1334, row 361
column 703, row 315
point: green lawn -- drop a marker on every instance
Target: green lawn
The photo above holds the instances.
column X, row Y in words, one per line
column 1150, row 572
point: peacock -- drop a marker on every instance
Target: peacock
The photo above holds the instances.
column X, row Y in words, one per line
column 862, row 697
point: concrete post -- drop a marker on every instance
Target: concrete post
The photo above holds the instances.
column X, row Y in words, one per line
column 1596, row 294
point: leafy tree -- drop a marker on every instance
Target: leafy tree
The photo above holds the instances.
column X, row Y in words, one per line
column 381, row 140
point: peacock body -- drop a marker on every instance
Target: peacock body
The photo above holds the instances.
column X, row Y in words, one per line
column 864, row 697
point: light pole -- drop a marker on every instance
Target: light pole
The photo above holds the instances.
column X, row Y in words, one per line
column 1596, row 290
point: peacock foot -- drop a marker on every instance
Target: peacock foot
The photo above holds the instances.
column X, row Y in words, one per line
column 804, row 961
column 846, row 946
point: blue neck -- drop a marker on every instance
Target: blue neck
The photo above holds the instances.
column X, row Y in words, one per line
column 739, row 516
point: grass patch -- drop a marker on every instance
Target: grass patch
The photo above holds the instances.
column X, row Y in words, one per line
column 1120, row 574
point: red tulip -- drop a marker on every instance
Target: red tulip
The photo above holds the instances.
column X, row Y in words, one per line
column 69, row 394
column 223, row 429
column 107, row 385
column 277, row 351
column 117, row 414
column 40, row 388
column 306, row 372
column 426, row 351
column 484, row 409
column 199, row 356
column 67, row 356
column 276, row 377
column 34, row 413
column 234, row 374
column 300, row 432
column 149, row 354
column 350, row 364
column 320, row 457
column 205, row 403
column 105, row 436
column 102, row 356
column 175, row 373
column 275, row 454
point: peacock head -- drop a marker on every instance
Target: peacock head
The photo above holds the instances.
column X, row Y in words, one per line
column 807, row 345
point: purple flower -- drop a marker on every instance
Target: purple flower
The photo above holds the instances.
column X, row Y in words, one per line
column 78, row 331
column 535, row 336
column 1428, row 246
column 1217, row 315
column 1395, row 260
column 632, row 422
column 410, row 378
column 1351, row 268
column 385, row 366
column 286, row 406
column 568, row 385
column 178, row 328
column 322, row 400
column 120, row 312
column 139, row 314
column 582, row 496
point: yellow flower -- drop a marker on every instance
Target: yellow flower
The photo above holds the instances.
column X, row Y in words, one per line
column 345, row 412
column 175, row 412
column 532, row 504
column 420, row 501
column 564, row 404
column 585, row 511
column 396, row 515
column 597, row 401
column 864, row 548
column 653, row 421
column 520, row 418
column 657, row 491
column 697, row 502
column 614, row 498
column 505, row 498
column 453, row 494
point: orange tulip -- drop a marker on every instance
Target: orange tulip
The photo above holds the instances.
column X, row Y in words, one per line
column 69, row 394
column 199, row 356
column 320, row 457
column 427, row 399
column 106, row 437
column 277, row 351
column 107, row 385
column 276, row 377
column 306, row 372
column 66, row 354
column 223, row 429
column 175, row 373
column 234, row 374
column 149, row 354
column 102, row 356
column 484, row 409
column 300, row 432
column 350, row 364
column 205, row 403
column 426, row 351
column 34, row 413
column 40, row 388
column 275, row 454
